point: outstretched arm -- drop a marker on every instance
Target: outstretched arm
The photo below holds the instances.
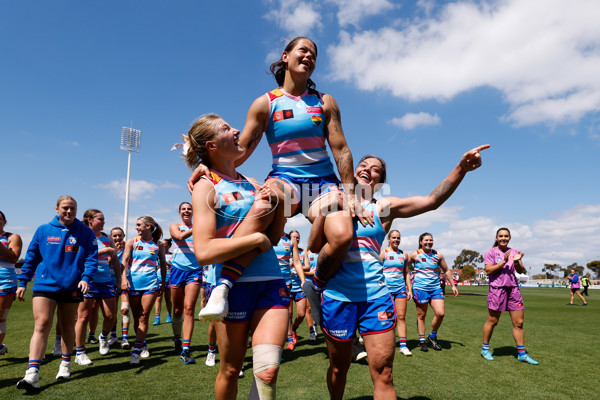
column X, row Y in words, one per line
column 395, row 207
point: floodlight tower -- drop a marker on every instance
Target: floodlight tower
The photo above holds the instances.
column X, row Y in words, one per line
column 131, row 140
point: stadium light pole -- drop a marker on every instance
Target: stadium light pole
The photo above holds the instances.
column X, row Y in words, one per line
column 131, row 140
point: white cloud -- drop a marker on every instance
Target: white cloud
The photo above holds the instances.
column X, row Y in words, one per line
column 138, row 189
column 411, row 120
column 352, row 11
column 296, row 17
column 542, row 55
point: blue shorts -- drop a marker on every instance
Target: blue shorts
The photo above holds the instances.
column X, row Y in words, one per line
column 308, row 190
column 100, row 290
column 341, row 319
column 143, row 292
column 245, row 297
column 399, row 294
column 181, row 278
column 297, row 296
column 425, row 296
column 8, row 291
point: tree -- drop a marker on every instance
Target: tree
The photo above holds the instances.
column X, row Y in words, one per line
column 594, row 266
column 552, row 270
column 467, row 257
column 468, row 273
column 577, row 268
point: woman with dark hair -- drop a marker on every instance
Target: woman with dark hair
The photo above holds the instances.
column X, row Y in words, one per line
column 102, row 290
column 258, row 300
column 501, row 262
column 575, row 286
column 63, row 255
column 117, row 234
column 141, row 258
column 356, row 298
column 398, row 282
column 166, row 294
column 299, row 122
column 427, row 264
column 10, row 251
column 185, row 282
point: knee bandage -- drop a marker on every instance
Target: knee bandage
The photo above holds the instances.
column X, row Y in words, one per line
column 3, row 316
column 125, row 319
column 124, row 307
column 265, row 356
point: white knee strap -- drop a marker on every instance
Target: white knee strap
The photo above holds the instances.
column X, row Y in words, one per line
column 125, row 318
column 265, row 356
column 125, row 306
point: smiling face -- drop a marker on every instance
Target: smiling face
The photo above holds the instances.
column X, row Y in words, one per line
column 143, row 230
column 394, row 240
column 369, row 172
column 426, row 243
column 185, row 212
column 301, row 59
column 503, row 237
column 67, row 210
column 118, row 237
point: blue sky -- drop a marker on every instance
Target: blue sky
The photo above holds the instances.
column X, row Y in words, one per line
column 418, row 82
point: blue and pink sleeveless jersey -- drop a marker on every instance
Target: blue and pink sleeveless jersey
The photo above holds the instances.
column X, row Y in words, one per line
column 105, row 273
column 183, row 252
column 234, row 200
column 296, row 134
column 361, row 276
column 8, row 276
column 144, row 261
column 312, row 260
column 427, row 273
column 393, row 269
column 283, row 251
column 506, row 276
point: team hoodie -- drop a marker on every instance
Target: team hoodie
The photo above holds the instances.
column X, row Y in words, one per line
column 60, row 256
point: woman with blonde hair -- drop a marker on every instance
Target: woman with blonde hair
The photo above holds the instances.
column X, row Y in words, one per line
column 63, row 256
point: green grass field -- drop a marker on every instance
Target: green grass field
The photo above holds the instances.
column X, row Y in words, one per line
column 563, row 339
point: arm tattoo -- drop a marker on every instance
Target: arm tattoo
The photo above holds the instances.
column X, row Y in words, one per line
column 254, row 141
column 443, row 191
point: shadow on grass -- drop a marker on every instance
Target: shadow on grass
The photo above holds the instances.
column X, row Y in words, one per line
column 446, row 344
column 399, row 398
column 505, row 351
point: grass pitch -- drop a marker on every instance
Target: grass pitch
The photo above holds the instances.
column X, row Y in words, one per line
column 562, row 338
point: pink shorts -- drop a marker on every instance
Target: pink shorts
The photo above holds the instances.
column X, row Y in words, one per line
column 505, row 298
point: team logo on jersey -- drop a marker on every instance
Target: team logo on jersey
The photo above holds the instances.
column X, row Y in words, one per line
column 314, row 110
column 316, row 119
column 72, row 240
column 283, row 114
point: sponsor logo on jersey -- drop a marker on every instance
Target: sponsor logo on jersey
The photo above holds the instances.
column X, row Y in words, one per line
column 283, row 114
column 71, row 249
column 314, row 110
column 231, row 197
column 53, row 239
